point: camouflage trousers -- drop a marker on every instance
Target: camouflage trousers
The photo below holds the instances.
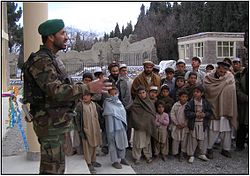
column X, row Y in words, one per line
column 52, row 154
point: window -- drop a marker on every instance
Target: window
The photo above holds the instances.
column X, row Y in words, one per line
column 225, row 49
column 198, row 49
column 187, row 53
column 183, row 51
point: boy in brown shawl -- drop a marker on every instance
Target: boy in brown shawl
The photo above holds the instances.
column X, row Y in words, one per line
column 142, row 116
column 88, row 127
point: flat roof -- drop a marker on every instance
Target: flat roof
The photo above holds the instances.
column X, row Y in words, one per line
column 212, row 33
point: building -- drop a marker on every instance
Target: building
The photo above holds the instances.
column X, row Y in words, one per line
column 211, row 46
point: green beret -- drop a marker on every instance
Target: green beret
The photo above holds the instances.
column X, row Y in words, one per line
column 50, row 27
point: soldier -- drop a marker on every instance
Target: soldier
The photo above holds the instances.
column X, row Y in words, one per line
column 52, row 95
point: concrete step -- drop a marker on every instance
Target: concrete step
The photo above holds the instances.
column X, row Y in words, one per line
column 74, row 165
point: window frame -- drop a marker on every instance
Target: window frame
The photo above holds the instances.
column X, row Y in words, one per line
column 229, row 47
column 198, row 50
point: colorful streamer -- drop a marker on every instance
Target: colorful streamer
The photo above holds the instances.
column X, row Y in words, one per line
column 15, row 115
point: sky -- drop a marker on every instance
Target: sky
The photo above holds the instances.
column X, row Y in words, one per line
column 98, row 17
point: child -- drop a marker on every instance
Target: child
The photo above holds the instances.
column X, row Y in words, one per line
column 153, row 92
column 179, row 85
column 198, row 112
column 116, row 124
column 160, row 133
column 191, row 83
column 164, row 96
column 179, row 129
column 88, row 127
column 142, row 117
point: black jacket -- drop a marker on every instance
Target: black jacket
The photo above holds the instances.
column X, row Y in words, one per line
column 190, row 113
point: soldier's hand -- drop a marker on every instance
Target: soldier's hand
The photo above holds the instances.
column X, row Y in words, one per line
column 99, row 86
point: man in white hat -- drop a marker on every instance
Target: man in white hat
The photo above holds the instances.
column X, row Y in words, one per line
column 123, row 72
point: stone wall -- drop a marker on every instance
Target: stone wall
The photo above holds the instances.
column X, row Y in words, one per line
column 115, row 49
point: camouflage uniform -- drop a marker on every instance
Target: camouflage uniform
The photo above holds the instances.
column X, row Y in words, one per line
column 53, row 114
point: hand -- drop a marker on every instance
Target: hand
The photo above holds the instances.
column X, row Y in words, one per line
column 99, row 86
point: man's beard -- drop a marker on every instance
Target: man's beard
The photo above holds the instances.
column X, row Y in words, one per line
column 59, row 46
column 148, row 72
column 115, row 77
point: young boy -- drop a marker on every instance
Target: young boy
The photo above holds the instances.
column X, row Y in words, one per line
column 179, row 85
column 179, row 129
column 198, row 112
column 164, row 96
column 160, row 135
column 153, row 93
column 191, row 83
column 88, row 127
column 142, row 116
column 116, row 124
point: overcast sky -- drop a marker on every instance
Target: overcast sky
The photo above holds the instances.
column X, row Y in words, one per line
column 98, row 17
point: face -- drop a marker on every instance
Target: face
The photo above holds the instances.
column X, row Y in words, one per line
column 183, row 98
column 142, row 94
column 180, row 83
column 87, row 80
column 160, row 108
column 112, row 92
column 100, row 76
column 86, row 98
column 148, row 69
column 59, row 40
column 123, row 71
column 195, row 64
column 164, row 92
column 192, row 79
column 180, row 67
column 221, row 71
column 209, row 70
column 236, row 66
column 169, row 75
column 153, row 95
column 114, row 72
column 197, row 94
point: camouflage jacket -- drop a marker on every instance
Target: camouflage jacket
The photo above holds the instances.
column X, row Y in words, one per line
column 54, row 116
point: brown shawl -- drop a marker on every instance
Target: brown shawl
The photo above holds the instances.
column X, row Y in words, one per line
column 91, row 126
column 142, row 115
column 141, row 80
column 221, row 93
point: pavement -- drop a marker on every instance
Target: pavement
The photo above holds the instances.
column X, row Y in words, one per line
column 74, row 165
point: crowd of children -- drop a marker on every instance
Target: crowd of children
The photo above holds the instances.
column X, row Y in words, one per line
column 172, row 118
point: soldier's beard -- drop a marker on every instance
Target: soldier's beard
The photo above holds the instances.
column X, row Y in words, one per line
column 59, row 46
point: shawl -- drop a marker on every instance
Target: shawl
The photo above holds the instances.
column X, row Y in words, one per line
column 141, row 80
column 221, row 94
column 142, row 114
column 112, row 106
